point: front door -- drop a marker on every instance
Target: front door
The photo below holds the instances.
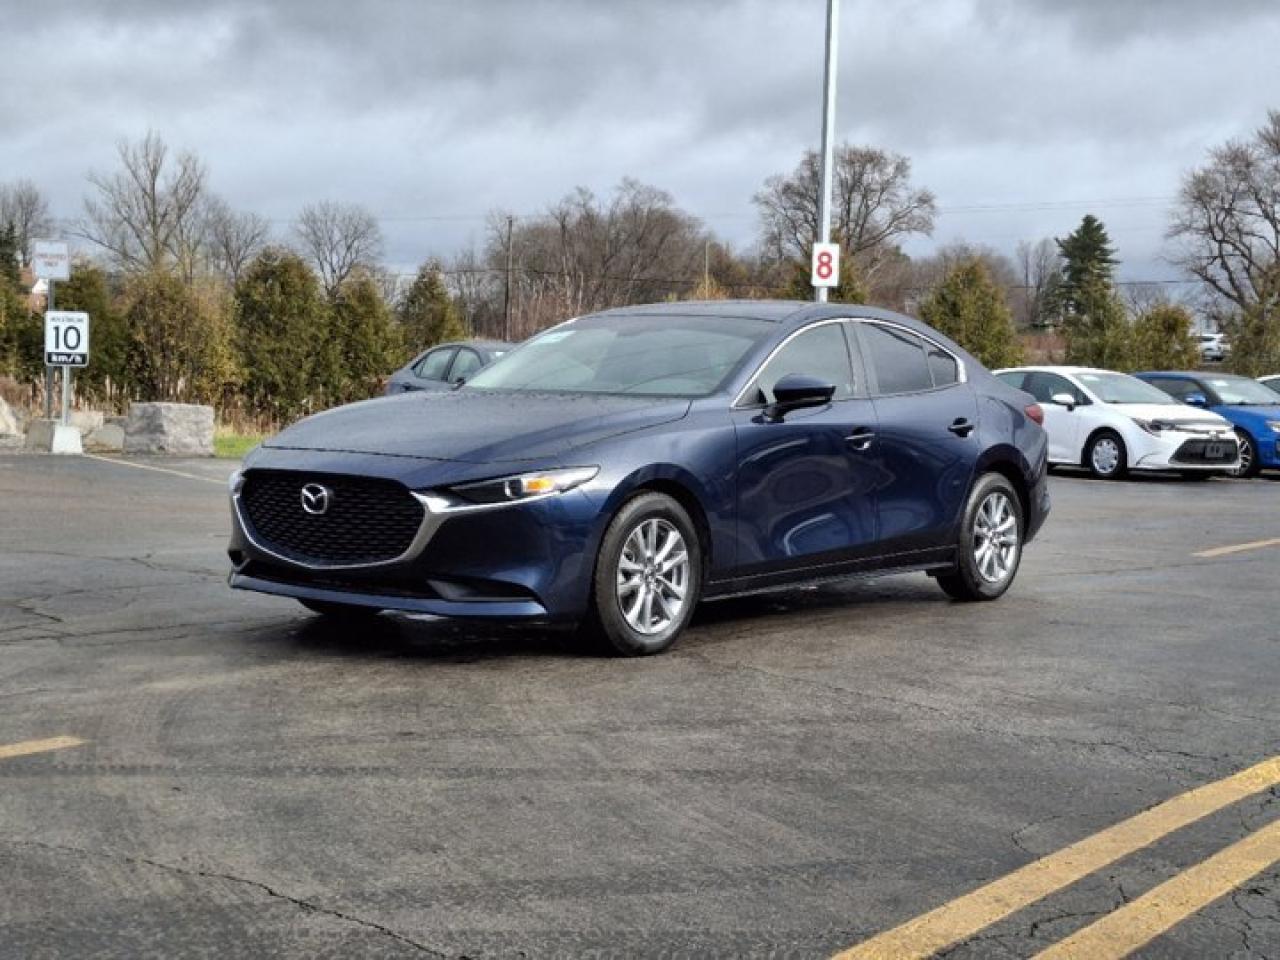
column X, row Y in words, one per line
column 805, row 484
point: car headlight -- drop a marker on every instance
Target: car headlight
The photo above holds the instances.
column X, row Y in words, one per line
column 1153, row 427
column 1274, row 426
column 524, row 486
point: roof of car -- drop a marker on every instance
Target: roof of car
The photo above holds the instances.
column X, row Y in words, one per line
column 1053, row 368
column 774, row 311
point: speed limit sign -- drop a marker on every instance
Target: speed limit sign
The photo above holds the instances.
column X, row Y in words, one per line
column 66, row 338
column 826, row 265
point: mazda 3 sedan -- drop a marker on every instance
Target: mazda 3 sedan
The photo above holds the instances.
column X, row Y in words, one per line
column 620, row 468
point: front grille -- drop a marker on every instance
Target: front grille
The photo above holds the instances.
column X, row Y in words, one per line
column 1206, row 451
column 368, row 520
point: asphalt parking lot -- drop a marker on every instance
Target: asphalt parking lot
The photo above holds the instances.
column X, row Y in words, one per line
column 803, row 772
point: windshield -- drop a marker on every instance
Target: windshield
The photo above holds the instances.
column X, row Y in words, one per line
column 1241, row 391
column 1122, row 388
column 670, row 356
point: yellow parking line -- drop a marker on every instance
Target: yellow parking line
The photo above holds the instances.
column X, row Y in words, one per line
column 1138, row 923
column 7, row 752
column 147, row 466
column 1237, row 548
column 965, row 916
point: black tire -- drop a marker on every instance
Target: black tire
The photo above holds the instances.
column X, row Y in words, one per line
column 968, row 581
column 607, row 625
column 1093, row 454
column 1249, row 465
column 340, row 611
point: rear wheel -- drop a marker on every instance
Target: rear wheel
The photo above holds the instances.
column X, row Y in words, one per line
column 1249, row 465
column 990, row 546
column 340, row 611
column 648, row 577
column 1106, row 456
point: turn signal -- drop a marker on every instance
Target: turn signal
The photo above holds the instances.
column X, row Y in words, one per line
column 1035, row 413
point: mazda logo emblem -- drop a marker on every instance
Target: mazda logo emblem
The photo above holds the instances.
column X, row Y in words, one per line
column 316, row 499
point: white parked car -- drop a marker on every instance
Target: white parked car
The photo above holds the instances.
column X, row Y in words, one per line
column 1213, row 346
column 1112, row 423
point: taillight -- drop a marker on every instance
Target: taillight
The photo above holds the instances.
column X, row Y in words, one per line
column 1035, row 413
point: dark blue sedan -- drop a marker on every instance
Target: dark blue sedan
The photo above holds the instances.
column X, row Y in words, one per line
column 620, row 468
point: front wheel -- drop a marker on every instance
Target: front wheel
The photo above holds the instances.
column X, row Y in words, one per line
column 648, row 577
column 1106, row 457
column 1249, row 465
column 990, row 545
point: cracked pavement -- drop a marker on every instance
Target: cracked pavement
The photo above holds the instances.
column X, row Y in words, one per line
column 804, row 769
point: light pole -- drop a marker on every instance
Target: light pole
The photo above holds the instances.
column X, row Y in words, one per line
column 828, row 130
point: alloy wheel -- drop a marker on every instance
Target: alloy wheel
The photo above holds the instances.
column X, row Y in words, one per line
column 1246, row 458
column 995, row 537
column 653, row 576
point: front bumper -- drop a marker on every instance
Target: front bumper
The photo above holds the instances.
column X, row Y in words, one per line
column 1186, row 451
column 527, row 561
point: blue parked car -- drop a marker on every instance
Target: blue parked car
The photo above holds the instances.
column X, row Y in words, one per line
column 1253, row 409
column 619, row 468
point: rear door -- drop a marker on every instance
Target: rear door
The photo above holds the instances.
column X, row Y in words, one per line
column 927, row 436
column 805, row 484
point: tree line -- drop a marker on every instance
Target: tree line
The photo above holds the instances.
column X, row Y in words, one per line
column 193, row 300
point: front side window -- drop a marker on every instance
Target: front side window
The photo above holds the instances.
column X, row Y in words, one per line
column 820, row 352
column 1045, row 386
column 468, row 362
column 898, row 359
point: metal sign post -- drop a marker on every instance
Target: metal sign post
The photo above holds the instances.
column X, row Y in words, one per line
column 51, row 262
column 828, row 132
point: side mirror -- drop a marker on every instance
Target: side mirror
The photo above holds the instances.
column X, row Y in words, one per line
column 796, row 392
column 1196, row 399
column 1064, row 400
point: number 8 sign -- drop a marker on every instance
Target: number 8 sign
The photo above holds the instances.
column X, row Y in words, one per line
column 826, row 265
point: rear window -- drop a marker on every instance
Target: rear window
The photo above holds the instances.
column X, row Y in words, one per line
column 898, row 359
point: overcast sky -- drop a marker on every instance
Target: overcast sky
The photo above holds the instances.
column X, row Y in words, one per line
column 1021, row 115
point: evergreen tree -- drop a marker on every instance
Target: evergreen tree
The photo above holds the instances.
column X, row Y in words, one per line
column 367, row 345
column 1098, row 331
column 1088, row 262
column 1162, row 339
column 10, row 256
column 970, row 308
column 21, row 346
column 283, row 334
column 850, row 290
column 428, row 314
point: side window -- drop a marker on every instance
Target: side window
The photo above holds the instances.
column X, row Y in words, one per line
column 434, row 364
column 1013, row 378
column 820, row 352
column 1043, row 386
column 943, row 366
column 468, row 362
column 898, row 359
column 1178, row 389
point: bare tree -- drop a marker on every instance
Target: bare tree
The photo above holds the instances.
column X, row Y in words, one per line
column 1227, row 222
column 1039, row 274
column 874, row 206
column 24, row 208
column 232, row 237
column 338, row 237
column 149, row 215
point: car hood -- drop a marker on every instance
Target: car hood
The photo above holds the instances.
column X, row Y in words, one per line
column 1173, row 412
column 475, row 426
column 1249, row 411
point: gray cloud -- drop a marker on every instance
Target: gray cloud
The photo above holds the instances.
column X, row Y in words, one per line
column 446, row 110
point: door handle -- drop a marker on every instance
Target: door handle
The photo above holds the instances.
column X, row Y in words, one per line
column 861, row 438
column 961, row 427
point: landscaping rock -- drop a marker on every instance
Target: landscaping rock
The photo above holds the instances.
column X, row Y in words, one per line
column 108, row 437
column 86, row 421
column 10, row 422
column 179, row 429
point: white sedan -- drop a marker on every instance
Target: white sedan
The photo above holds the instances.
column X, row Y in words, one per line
column 1112, row 423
